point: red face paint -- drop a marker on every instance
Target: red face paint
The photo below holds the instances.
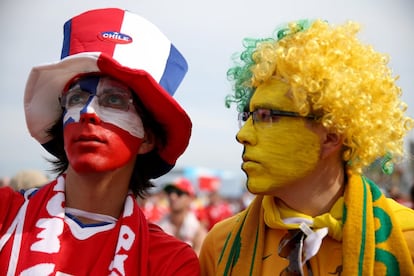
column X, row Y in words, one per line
column 98, row 135
column 98, row 147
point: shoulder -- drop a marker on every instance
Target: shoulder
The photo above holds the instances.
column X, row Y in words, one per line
column 7, row 193
column 170, row 256
column 405, row 219
column 224, row 226
column 403, row 214
column 218, row 234
column 214, row 242
column 10, row 202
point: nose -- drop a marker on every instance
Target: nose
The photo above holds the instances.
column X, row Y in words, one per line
column 246, row 134
column 91, row 118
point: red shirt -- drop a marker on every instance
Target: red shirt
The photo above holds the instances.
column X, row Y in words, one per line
column 84, row 254
column 217, row 212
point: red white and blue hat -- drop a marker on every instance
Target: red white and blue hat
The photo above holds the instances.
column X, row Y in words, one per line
column 127, row 47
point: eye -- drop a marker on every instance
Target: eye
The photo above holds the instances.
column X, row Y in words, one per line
column 76, row 98
column 115, row 99
column 263, row 115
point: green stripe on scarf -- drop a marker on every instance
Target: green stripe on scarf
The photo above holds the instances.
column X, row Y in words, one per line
column 254, row 251
column 382, row 248
column 234, row 251
column 363, row 230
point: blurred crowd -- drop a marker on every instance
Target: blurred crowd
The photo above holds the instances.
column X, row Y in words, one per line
column 188, row 215
column 25, row 179
column 406, row 199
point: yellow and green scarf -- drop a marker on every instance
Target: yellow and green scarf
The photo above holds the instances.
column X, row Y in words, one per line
column 372, row 240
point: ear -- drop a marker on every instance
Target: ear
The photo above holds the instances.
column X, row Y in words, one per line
column 148, row 143
column 332, row 143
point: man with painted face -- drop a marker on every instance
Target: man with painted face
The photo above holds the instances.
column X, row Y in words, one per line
column 106, row 112
column 316, row 108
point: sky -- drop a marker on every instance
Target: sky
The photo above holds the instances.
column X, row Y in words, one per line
column 207, row 33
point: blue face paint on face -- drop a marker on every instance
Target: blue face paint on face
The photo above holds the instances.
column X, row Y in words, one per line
column 90, row 85
column 87, row 84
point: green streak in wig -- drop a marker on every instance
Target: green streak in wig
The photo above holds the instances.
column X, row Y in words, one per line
column 241, row 74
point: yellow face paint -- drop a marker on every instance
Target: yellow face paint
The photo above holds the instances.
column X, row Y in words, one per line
column 277, row 153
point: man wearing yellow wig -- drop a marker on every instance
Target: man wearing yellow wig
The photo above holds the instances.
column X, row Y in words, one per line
column 316, row 108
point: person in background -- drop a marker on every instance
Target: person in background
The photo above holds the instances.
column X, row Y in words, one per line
column 182, row 221
column 216, row 208
column 27, row 179
column 5, row 181
column 316, row 107
column 154, row 206
column 396, row 194
column 107, row 114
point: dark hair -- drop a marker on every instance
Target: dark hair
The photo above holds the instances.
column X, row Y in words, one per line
column 146, row 166
column 412, row 193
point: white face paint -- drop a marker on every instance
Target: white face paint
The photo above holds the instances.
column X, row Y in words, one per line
column 128, row 120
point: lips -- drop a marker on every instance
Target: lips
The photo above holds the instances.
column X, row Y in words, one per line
column 89, row 138
column 77, row 133
column 246, row 159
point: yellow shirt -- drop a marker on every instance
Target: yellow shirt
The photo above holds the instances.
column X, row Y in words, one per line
column 328, row 260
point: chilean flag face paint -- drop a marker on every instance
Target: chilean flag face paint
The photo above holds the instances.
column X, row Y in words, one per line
column 96, row 137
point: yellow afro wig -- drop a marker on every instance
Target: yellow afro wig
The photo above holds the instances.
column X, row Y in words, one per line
column 332, row 75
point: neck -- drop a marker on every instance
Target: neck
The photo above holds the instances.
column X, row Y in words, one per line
column 102, row 193
column 177, row 217
column 317, row 193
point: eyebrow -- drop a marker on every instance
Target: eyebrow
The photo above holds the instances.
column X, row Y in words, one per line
column 265, row 106
column 116, row 89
